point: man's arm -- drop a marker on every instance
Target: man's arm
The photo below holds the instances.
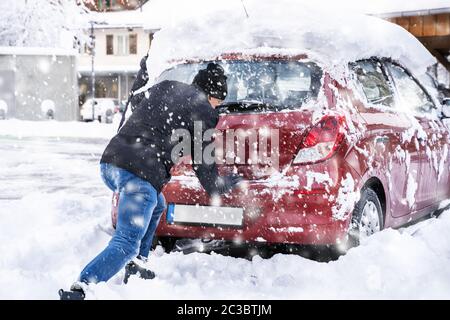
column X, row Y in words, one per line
column 208, row 173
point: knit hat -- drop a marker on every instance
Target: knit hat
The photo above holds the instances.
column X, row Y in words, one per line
column 212, row 81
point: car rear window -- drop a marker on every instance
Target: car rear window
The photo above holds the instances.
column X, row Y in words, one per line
column 274, row 84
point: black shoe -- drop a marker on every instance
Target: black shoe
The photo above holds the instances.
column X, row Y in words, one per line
column 132, row 268
column 75, row 293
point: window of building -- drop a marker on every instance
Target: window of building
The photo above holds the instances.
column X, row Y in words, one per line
column 121, row 45
column 105, row 4
column 109, row 44
column 374, row 83
column 133, row 43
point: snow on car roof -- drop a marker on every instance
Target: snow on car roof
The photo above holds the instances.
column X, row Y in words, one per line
column 208, row 29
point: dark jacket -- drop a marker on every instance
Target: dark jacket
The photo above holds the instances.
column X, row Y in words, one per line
column 143, row 145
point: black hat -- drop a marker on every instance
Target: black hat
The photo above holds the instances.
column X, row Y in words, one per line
column 212, row 81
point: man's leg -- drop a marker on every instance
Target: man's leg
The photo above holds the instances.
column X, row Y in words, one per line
column 109, row 176
column 137, row 201
column 147, row 241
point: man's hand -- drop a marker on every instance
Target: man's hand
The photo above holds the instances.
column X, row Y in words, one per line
column 226, row 183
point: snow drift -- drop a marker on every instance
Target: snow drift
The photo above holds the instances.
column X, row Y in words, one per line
column 46, row 249
column 48, row 234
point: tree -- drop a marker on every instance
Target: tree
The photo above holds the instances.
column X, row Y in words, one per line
column 42, row 23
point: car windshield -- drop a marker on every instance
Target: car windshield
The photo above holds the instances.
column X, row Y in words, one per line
column 259, row 85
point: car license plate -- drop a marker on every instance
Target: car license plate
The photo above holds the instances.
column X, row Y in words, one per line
column 204, row 215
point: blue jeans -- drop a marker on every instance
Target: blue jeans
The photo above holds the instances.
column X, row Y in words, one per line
column 139, row 211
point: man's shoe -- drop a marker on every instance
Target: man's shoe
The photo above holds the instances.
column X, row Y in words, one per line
column 76, row 293
column 133, row 268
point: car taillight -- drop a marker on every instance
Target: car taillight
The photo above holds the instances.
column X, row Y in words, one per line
column 322, row 140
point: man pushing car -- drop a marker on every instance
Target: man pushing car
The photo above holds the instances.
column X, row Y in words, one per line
column 137, row 163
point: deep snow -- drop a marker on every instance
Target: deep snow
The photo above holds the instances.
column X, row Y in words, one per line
column 54, row 211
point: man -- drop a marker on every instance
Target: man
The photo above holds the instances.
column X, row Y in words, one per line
column 137, row 162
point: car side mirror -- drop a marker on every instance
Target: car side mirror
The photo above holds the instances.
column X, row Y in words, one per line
column 446, row 108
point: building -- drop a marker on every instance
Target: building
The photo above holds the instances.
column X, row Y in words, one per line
column 113, row 5
column 38, row 83
column 431, row 27
column 428, row 21
column 120, row 43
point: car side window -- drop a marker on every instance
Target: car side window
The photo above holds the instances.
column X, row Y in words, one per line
column 374, row 83
column 412, row 96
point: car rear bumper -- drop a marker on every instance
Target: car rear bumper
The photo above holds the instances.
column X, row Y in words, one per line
column 267, row 225
column 272, row 213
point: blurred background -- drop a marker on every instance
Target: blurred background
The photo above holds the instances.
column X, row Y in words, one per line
column 56, row 56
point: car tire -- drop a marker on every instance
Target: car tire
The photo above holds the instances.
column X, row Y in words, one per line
column 50, row 114
column 2, row 114
column 367, row 219
column 109, row 116
column 168, row 243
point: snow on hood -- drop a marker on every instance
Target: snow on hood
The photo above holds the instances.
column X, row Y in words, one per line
column 208, row 29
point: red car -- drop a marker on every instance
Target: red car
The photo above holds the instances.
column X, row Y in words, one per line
column 350, row 159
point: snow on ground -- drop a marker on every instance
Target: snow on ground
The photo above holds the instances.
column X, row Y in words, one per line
column 20, row 128
column 54, row 209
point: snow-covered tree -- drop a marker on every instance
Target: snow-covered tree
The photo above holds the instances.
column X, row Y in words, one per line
column 41, row 23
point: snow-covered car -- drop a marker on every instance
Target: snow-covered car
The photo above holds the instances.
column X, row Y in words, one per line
column 356, row 143
column 104, row 110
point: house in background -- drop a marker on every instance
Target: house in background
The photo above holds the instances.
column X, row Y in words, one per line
column 431, row 26
column 120, row 43
column 113, row 5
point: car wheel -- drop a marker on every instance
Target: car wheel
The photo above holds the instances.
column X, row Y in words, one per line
column 50, row 114
column 367, row 219
column 2, row 114
column 168, row 243
column 109, row 116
